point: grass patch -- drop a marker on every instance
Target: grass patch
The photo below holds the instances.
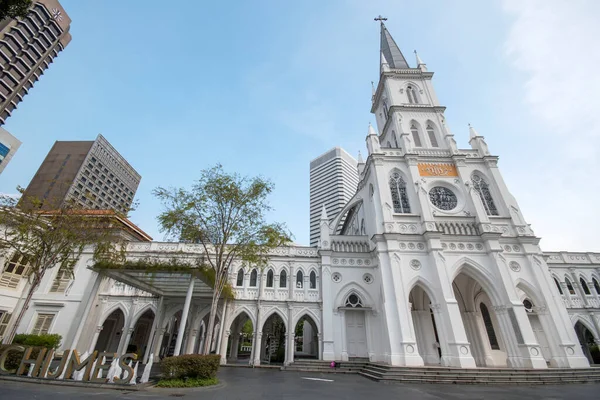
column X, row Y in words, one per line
column 186, row 382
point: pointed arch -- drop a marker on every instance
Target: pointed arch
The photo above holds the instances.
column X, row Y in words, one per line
column 270, row 278
column 307, row 312
column 415, row 131
column 149, row 306
column 244, row 310
column 556, row 281
column 355, row 202
column 239, row 282
column 584, row 286
column 569, row 286
column 399, row 193
column 411, row 93
column 312, row 280
column 270, row 313
column 253, row 278
column 299, row 279
column 117, row 306
column 424, row 284
column 483, row 277
column 353, row 287
column 596, row 285
column 482, row 187
column 577, row 318
column 432, row 133
column 283, row 278
column 530, row 291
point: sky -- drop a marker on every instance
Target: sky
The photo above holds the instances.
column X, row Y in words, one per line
column 263, row 87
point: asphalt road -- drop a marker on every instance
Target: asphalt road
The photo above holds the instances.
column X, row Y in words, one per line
column 249, row 384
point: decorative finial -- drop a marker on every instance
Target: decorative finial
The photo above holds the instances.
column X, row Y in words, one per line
column 380, row 19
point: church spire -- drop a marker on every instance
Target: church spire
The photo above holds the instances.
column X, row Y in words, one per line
column 390, row 52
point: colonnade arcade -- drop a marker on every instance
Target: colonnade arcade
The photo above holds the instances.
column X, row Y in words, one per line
column 272, row 342
column 493, row 330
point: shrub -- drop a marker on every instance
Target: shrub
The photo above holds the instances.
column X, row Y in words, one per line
column 14, row 357
column 190, row 366
column 49, row 340
column 186, row 383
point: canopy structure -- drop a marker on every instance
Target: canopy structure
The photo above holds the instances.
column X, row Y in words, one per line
column 160, row 283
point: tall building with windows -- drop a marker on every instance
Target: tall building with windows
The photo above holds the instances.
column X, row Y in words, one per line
column 27, row 48
column 92, row 173
column 8, row 147
column 333, row 181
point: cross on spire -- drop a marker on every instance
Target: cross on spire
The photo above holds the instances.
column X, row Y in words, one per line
column 380, row 19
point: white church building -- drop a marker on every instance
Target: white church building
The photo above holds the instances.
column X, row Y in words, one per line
column 431, row 262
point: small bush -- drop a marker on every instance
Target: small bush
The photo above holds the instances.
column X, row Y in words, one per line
column 190, row 366
column 49, row 340
column 14, row 357
column 186, row 383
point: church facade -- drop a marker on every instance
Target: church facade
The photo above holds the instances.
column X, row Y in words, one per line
column 430, row 263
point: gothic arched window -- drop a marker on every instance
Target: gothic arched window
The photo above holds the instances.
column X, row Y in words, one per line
column 299, row 280
column 353, row 301
column 489, row 327
column 415, row 135
column 412, row 95
column 395, row 139
column 558, row 286
column 313, row 280
column 283, row 279
column 431, row 134
column 483, row 189
column 399, row 195
column 240, row 278
column 270, row 278
column 584, row 286
column 569, row 286
column 596, row 285
column 253, row 277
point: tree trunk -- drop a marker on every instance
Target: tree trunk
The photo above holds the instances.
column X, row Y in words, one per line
column 211, row 323
column 13, row 330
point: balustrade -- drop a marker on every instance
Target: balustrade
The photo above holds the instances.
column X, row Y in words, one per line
column 457, row 228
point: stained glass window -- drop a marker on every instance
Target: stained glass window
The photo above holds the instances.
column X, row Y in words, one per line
column 313, row 280
column 558, row 286
column 569, row 286
column 240, row 278
column 253, row 278
column 584, row 286
column 481, row 186
column 443, row 198
column 596, row 285
column 299, row 280
column 353, row 301
column 399, row 196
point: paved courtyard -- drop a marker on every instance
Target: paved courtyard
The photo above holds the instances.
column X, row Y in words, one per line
column 249, row 384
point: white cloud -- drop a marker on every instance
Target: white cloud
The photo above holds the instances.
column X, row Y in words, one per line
column 554, row 43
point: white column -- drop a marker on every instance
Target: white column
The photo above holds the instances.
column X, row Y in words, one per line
column 344, row 339
column 184, row 316
column 95, row 338
column 155, row 325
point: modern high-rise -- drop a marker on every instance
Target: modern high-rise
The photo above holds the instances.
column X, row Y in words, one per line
column 333, row 182
column 92, row 173
column 27, row 47
column 8, row 147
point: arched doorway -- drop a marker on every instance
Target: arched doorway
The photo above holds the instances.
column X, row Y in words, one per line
column 141, row 334
column 306, row 338
column 112, row 330
column 428, row 338
column 356, row 326
column 480, row 322
column 588, row 345
column 273, row 341
column 239, row 346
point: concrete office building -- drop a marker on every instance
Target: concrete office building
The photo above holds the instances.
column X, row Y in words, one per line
column 27, row 47
column 8, row 147
column 333, row 181
column 91, row 172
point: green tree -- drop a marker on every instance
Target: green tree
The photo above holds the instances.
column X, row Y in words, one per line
column 44, row 239
column 226, row 214
column 14, row 8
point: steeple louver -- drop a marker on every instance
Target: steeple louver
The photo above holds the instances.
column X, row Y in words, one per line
column 390, row 51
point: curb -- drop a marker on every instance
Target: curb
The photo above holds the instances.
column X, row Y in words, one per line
column 113, row 386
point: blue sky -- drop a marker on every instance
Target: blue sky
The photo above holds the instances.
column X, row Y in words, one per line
column 265, row 86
